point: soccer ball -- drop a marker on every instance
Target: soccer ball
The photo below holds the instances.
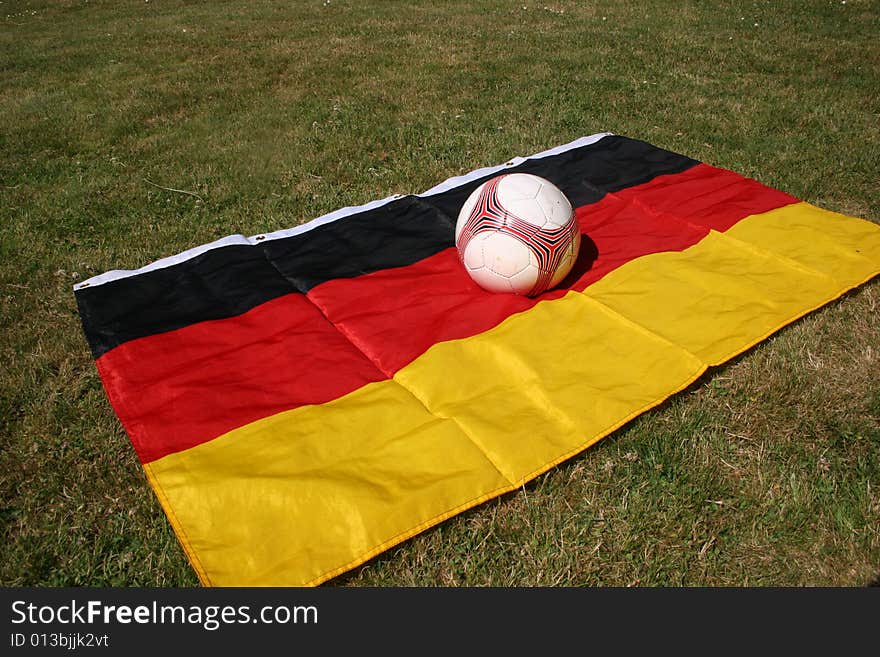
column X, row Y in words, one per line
column 517, row 233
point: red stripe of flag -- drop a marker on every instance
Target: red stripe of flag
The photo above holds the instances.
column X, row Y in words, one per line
column 178, row 389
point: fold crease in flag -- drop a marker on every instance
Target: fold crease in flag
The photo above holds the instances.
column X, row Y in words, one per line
column 305, row 399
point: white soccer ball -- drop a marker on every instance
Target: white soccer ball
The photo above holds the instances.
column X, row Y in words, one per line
column 517, row 233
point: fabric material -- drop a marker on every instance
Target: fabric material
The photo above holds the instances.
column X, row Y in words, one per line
column 303, row 401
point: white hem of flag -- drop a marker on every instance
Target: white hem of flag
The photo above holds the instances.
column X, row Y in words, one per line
column 446, row 185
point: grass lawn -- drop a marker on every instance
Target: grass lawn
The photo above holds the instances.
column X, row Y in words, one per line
column 766, row 472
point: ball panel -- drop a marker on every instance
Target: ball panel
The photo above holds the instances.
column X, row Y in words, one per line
column 472, row 257
column 527, row 209
column 505, row 255
column 554, row 206
column 523, row 282
column 567, row 262
column 490, row 281
column 518, row 186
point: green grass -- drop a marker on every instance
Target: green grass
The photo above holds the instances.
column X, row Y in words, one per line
column 765, row 472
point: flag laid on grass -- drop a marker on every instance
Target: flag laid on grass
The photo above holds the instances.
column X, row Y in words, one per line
column 303, row 400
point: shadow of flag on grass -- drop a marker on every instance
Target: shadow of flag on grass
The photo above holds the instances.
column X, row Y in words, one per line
column 304, row 400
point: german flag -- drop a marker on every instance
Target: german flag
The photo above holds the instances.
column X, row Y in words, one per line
column 305, row 399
